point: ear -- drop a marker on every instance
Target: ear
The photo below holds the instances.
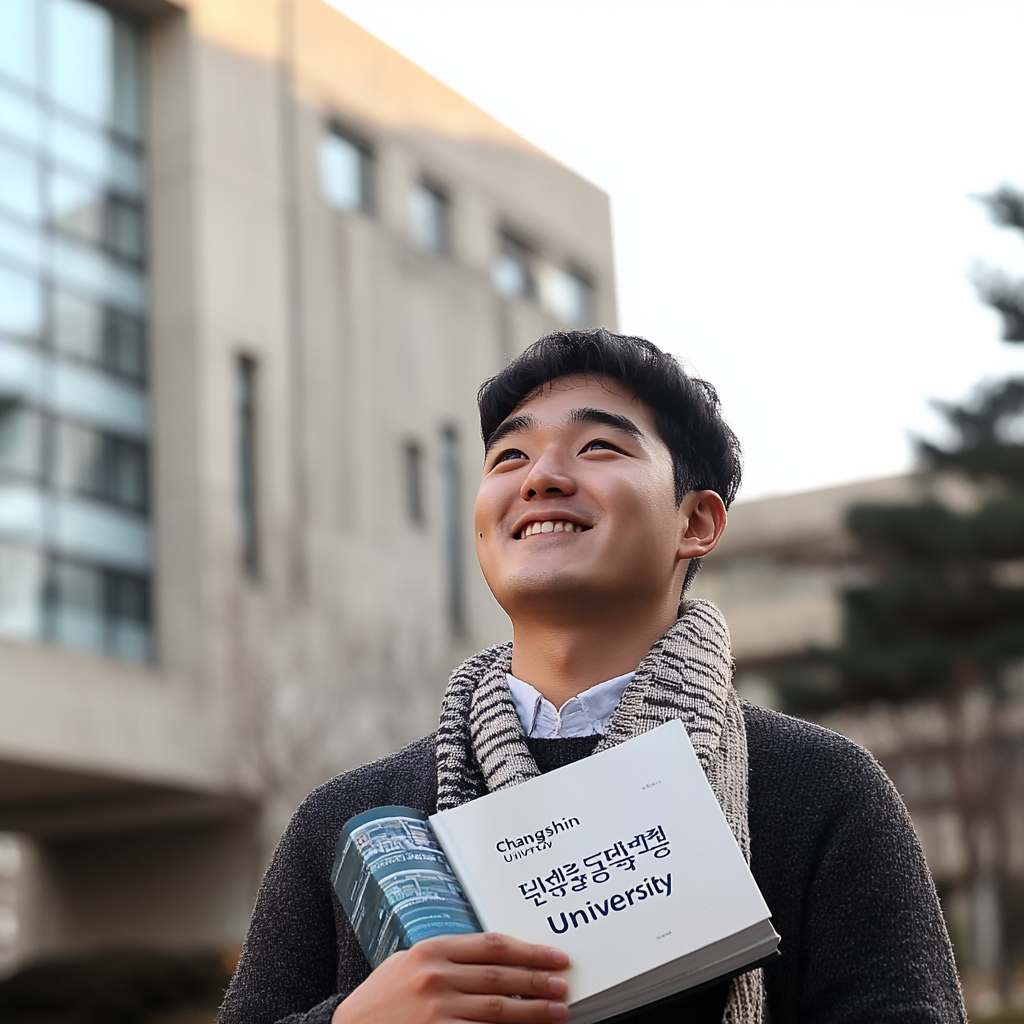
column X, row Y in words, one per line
column 704, row 520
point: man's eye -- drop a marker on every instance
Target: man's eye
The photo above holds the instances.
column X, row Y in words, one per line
column 599, row 445
column 511, row 453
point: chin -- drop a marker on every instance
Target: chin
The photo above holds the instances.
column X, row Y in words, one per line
column 549, row 585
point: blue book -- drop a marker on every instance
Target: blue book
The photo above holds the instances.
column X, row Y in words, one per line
column 395, row 883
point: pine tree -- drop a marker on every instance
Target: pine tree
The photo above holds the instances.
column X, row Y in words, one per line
column 1000, row 291
column 941, row 616
column 945, row 609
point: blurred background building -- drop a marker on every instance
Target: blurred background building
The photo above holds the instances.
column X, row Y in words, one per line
column 253, row 267
column 784, row 575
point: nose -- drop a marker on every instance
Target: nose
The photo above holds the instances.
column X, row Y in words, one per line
column 547, row 476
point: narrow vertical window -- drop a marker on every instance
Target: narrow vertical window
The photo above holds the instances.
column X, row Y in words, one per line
column 412, row 461
column 22, row 582
column 346, row 172
column 246, row 412
column 451, row 506
column 513, row 271
column 568, row 294
column 428, row 214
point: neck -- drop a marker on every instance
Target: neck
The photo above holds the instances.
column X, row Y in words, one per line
column 563, row 658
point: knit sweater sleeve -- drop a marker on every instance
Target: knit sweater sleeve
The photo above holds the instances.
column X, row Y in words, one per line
column 877, row 950
column 301, row 958
column 289, row 961
column 865, row 942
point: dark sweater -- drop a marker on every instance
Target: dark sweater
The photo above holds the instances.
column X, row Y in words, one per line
column 832, row 849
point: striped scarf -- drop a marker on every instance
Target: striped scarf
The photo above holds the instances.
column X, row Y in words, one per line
column 686, row 675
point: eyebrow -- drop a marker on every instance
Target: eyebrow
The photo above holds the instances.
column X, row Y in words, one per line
column 606, row 419
column 520, row 424
column 516, row 425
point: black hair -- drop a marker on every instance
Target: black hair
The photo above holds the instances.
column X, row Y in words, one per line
column 705, row 453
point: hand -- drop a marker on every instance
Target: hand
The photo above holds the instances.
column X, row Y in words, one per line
column 462, row 978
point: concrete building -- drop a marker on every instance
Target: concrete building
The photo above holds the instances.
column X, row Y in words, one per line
column 778, row 576
column 253, row 267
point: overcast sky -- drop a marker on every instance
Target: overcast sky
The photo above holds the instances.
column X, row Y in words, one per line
column 791, row 191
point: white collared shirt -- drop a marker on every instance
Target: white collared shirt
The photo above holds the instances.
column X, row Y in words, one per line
column 586, row 714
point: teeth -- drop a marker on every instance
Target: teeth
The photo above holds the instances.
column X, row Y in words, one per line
column 551, row 526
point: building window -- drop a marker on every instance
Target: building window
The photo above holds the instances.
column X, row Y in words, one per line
column 98, row 465
column 21, row 305
column 22, row 575
column 21, row 440
column 84, row 329
column 247, row 463
column 451, row 518
column 75, row 542
column 512, row 272
column 568, row 295
column 412, row 464
column 429, row 216
column 86, row 210
column 97, row 609
column 346, row 172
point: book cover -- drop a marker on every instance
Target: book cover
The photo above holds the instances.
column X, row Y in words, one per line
column 623, row 859
column 395, row 883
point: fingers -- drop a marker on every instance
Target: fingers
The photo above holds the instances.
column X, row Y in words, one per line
column 503, row 1010
column 494, row 948
column 493, row 979
column 480, row 978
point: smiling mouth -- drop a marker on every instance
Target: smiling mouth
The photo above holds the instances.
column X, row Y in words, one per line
column 550, row 526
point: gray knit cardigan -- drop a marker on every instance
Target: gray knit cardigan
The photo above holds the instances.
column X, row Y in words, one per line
column 832, row 848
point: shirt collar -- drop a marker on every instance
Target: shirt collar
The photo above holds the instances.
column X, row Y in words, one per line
column 586, row 714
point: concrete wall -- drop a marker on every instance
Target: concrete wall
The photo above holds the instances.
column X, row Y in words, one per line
column 362, row 343
column 151, row 797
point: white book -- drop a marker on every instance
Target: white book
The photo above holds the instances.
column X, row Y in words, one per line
column 623, row 859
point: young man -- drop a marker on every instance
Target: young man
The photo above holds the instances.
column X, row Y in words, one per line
column 606, row 478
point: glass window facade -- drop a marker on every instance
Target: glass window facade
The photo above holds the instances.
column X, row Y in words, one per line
column 346, row 172
column 74, row 420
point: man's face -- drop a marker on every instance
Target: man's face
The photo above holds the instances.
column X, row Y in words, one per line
column 577, row 502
